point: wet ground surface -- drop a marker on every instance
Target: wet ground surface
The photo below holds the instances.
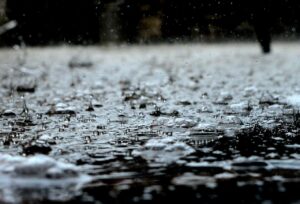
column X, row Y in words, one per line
column 180, row 123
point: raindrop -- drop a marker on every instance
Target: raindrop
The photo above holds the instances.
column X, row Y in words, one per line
column 87, row 139
column 25, row 111
column 90, row 107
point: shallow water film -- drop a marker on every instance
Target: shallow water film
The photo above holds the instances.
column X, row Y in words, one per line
column 150, row 124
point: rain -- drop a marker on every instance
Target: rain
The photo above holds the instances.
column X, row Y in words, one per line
column 149, row 102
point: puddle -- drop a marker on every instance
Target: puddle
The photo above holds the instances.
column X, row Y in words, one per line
column 142, row 124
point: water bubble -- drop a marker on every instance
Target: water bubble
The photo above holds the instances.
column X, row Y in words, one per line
column 9, row 113
column 165, row 150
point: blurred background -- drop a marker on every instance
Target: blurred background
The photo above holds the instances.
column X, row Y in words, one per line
column 46, row 22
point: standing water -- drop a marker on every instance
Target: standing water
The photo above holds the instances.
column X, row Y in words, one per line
column 181, row 123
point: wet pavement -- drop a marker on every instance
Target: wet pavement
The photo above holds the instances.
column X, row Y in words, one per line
column 150, row 124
